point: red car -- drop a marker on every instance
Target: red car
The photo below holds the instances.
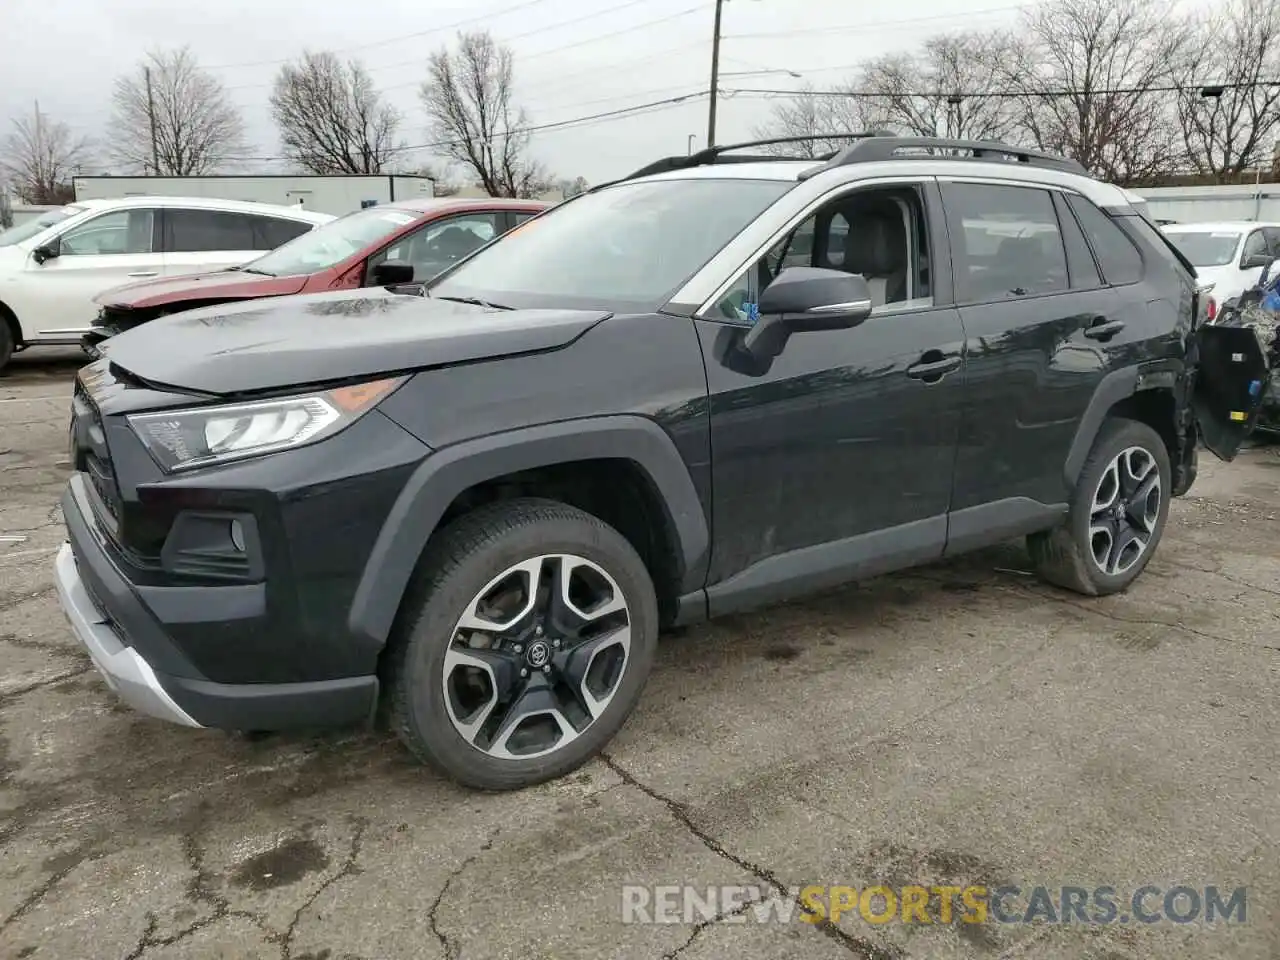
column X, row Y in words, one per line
column 401, row 242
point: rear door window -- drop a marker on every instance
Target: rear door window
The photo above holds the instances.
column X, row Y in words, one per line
column 1006, row 242
column 199, row 231
column 1080, row 262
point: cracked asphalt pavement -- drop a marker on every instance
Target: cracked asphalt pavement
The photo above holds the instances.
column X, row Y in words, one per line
column 960, row 724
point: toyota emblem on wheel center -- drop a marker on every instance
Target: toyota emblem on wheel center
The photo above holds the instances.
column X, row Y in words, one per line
column 539, row 654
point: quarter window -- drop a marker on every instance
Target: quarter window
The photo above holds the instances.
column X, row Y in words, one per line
column 271, row 232
column 1006, row 243
column 1120, row 260
column 118, row 232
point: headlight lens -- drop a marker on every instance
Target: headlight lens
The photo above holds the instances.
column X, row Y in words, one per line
column 202, row 436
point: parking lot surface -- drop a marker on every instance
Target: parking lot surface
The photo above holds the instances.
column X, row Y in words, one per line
column 960, row 725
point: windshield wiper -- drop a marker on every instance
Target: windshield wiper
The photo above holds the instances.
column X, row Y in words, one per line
column 476, row 302
column 261, row 273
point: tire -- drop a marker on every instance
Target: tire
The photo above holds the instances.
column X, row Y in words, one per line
column 1068, row 554
column 433, row 659
column 6, row 340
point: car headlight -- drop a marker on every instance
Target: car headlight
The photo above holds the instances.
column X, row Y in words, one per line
column 203, row 436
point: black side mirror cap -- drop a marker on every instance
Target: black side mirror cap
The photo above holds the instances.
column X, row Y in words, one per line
column 46, row 251
column 815, row 298
column 1255, row 260
column 804, row 299
column 391, row 272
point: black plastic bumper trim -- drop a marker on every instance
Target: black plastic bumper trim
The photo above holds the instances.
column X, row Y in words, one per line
column 275, row 706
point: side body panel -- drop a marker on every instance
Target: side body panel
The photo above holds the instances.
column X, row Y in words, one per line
column 632, row 388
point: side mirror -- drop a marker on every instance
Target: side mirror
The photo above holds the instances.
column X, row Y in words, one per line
column 1255, row 260
column 803, row 299
column 814, row 298
column 46, row 251
column 391, row 272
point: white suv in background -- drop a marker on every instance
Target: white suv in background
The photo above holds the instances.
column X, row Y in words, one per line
column 1229, row 256
column 52, row 267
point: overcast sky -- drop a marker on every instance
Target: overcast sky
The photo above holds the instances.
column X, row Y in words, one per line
column 573, row 58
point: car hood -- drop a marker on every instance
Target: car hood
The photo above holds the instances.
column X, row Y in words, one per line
column 317, row 338
column 229, row 284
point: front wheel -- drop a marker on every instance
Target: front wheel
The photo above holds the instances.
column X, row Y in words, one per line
column 1117, row 515
column 531, row 633
column 7, row 346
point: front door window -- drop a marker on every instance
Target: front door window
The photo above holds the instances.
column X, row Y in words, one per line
column 118, row 232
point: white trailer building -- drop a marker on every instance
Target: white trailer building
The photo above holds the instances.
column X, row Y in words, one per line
column 1252, row 201
column 334, row 194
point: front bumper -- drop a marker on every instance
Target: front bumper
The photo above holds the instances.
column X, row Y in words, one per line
column 136, row 654
column 126, row 673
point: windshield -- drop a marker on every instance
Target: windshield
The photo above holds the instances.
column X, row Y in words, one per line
column 1206, row 248
column 27, row 230
column 627, row 247
column 332, row 243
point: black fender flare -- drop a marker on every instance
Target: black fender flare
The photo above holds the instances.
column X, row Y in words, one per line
column 450, row 470
column 1115, row 386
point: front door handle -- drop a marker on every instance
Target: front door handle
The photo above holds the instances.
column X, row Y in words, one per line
column 933, row 366
column 1103, row 329
column 145, row 273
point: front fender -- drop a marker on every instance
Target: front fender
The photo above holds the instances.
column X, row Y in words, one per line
column 446, row 473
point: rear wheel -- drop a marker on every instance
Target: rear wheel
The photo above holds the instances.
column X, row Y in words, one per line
column 1117, row 515
column 531, row 634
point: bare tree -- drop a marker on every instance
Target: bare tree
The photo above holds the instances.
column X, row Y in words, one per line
column 924, row 93
column 1227, row 109
column 173, row 118
column 40, row 156
column 331, row 117
column 1089, row 83
column 469, row 98
column 817, row 116
column 571, row 188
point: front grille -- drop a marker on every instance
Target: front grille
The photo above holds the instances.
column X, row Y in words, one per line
column 92, row 454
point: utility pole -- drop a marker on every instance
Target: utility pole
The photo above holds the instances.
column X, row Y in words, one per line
column 715, row 78
column 40, row 155
column 151, row 116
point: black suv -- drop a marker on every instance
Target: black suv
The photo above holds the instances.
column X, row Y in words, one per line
column 720, row 382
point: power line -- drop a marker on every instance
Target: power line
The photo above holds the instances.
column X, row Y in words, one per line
column 396, row 39
column 418, row 62
column 873, row 25
column 998, row 94
column 638, row 109
column 605, row 116
column 566, row 79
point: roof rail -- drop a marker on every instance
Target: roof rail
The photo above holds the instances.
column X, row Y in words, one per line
column 716, row 154
column 893, row 147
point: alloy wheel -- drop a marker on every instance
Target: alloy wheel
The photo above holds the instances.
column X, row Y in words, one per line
column 1125, row 510
column 537, row 656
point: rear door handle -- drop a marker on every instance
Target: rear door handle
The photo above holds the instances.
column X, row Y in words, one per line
column 145, row 273
column 933, row 366
column 1103, row 329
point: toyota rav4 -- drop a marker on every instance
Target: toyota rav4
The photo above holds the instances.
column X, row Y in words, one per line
column 720, row 382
